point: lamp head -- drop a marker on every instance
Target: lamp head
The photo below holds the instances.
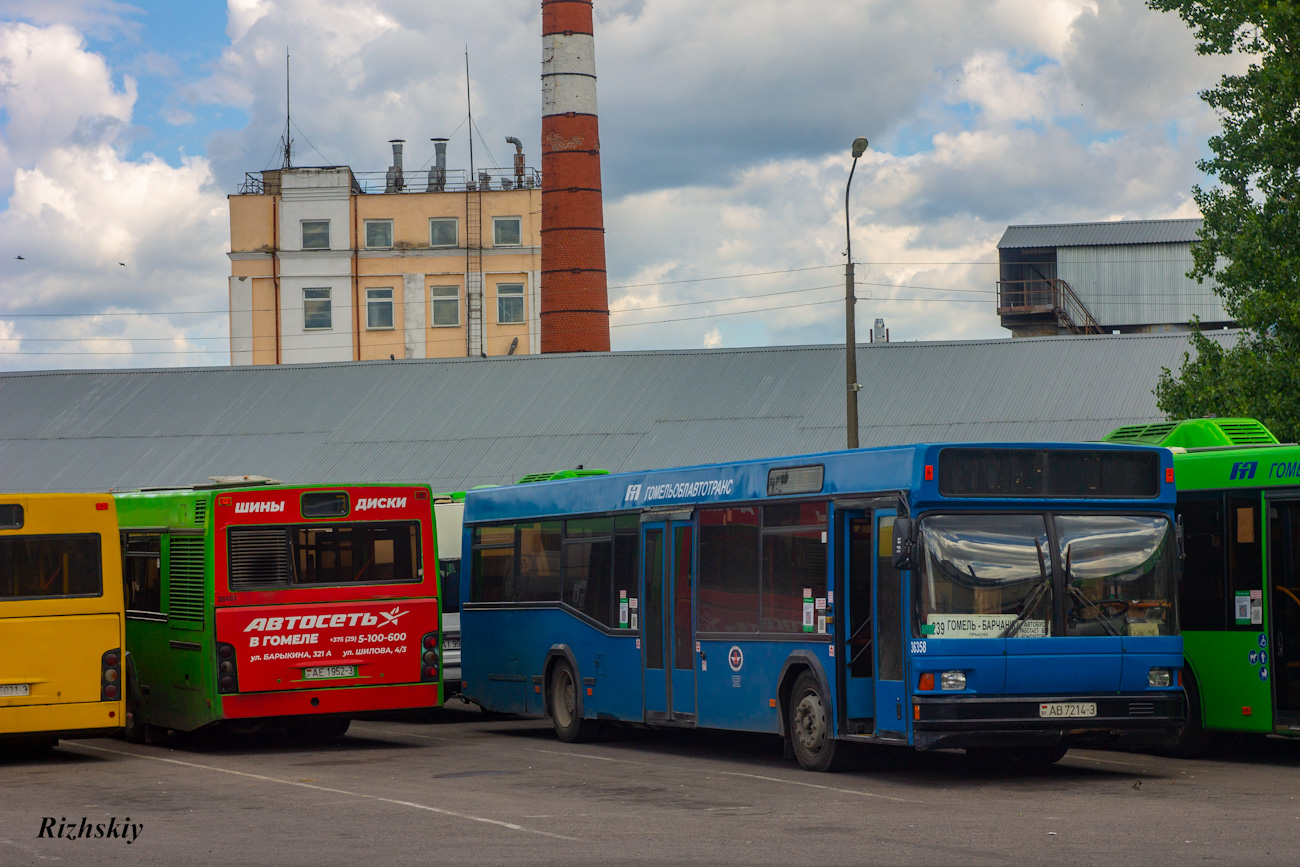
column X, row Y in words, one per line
column 859, row 146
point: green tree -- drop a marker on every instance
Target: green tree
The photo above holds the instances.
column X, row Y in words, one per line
column 1250, row 240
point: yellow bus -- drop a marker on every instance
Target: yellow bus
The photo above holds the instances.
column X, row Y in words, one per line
column 61, row 618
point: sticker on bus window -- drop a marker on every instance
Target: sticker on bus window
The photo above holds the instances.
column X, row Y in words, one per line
column 1243, row 607
column 633, row 626
column 622, row 612
column 821, row 624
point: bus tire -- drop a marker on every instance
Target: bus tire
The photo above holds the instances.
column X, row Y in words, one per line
column 134, row 728
column 1193, row 740
column 569, row 726
column 810, row 727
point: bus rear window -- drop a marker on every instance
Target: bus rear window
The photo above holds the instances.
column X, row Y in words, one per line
column 267, row 558
column 42, row 567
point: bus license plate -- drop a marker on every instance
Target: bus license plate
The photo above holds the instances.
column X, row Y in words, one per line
column 1065, row 709
column 10, row 689
column 451, row 644
column 329, row 671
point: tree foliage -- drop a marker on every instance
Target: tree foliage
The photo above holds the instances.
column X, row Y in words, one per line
column 1250, row 240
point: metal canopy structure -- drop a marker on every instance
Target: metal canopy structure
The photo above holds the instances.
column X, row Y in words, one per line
column 456, row 423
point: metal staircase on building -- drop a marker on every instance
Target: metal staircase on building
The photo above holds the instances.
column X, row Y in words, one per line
column 474, row 270
column 1045, row 301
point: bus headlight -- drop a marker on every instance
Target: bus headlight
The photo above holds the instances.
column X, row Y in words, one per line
column 1160, row 677
column 952, row 680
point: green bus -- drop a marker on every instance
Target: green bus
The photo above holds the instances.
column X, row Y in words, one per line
column 1239, row 515
column 249, row 602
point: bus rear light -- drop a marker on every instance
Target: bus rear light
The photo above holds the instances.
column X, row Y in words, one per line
column 227, row 669
column 1169, row 475
column 110, row 674
column 929, row 472
column 952, row 680
column 1246, row 711
column 430, row 645
column 1160, row 678
column 926, row 683
column 101, row 507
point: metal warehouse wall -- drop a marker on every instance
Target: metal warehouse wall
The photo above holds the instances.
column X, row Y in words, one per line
column 455, row 423
column 1138, row 284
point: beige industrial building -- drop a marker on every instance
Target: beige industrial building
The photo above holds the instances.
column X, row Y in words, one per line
column 332, row 265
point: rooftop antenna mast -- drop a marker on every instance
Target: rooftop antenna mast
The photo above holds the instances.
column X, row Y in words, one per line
column 469, row 110
column 286, row 141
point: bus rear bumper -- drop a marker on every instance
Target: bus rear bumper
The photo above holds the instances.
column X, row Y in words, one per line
column 1136, row 720
column 89, row 719
column 344, row 700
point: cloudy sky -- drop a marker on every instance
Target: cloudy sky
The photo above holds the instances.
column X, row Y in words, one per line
column 725, row 133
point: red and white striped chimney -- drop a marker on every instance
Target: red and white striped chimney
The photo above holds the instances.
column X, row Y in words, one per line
column 575, row 302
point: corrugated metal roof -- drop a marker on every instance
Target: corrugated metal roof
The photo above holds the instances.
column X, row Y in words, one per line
column 1100, row 234
column 455, row 423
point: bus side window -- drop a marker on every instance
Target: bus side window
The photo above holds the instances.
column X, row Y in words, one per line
column 142, row 571
column 1202, row 600
column 1245, row 561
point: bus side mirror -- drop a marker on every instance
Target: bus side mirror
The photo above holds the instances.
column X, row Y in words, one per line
column 903, row 544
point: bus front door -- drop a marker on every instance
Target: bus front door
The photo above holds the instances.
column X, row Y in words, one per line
column 1284, row 602
column 890, row 695
column 667, row 631
column 857, row 654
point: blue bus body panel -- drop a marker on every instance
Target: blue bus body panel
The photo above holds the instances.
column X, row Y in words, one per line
column 1145, row 653
column 984, row 660
column 742, row 699
column 510, row 653
column 1061, row 665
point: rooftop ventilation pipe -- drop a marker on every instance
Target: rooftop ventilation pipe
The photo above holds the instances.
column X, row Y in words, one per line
column 393, row 182
column 519, row 161
column 438, row 177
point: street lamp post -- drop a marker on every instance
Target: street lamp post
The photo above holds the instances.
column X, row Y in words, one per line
column 850, row 330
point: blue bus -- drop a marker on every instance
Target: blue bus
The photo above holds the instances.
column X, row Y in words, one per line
column 1012, row 600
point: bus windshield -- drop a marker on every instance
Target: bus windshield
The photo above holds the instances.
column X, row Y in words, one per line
column 996, row 576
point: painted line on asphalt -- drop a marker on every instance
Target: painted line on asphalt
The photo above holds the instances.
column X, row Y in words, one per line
column 1105, row 761
column 412, row 735
column 585, row 756
column 816, row 786
column 268, row 779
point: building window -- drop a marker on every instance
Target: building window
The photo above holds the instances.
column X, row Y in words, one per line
column 446, row 305
column 316, row 313
column 379, row 308
column 315, row 234
column 507, row 232
column 510, row 303
column 443, row 232
column 379, row 233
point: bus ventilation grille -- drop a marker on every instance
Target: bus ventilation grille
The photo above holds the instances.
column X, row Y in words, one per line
column 1246, row 432
column 200, row 512
column 259, row 557
column 1141, row 708
column 1152, row 434
column 187, row 580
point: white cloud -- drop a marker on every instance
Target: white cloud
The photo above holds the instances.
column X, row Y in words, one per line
column 78, row 208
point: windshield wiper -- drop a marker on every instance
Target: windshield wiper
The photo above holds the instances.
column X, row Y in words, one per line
column 1078, row 594
column 1032, row 598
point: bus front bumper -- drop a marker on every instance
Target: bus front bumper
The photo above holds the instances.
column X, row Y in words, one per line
column 1121, row 720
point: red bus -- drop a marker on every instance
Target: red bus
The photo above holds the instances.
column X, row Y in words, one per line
column 310, row 605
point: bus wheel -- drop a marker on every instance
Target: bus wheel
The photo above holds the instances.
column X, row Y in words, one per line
column 134, row 728
column 569, row 727
column 810, row 728
column 1193, row 740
